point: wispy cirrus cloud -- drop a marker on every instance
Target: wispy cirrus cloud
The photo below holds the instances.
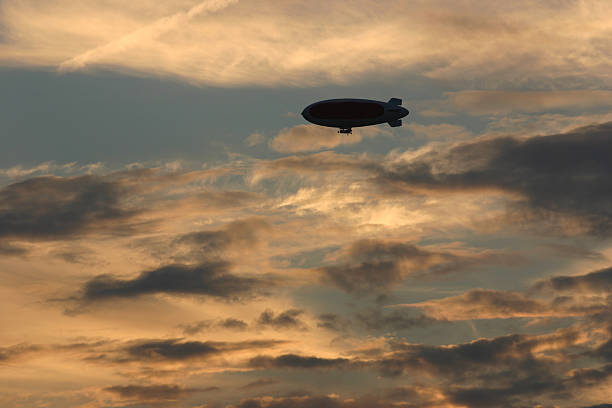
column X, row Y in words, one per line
column 148, row 33
column 269, row 48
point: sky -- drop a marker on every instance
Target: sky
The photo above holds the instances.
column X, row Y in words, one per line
column 174, row 234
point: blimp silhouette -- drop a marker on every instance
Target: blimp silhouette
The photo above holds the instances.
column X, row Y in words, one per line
column 347, row 113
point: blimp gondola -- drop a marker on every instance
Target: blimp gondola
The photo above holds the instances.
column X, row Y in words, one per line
column 348, row 113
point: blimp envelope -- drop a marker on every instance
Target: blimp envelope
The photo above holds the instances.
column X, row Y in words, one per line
column 347, row 113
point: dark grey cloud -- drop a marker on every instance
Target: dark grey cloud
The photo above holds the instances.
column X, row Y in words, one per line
column 179, row 350
column 207, row 279
column 594, row 282
column 604, row 350
column 510, row 396
column 314, row 402
column 260, row 383
column 289, row 319
column 55, row 207
column 229, row 323
column 395, row 320
column 146, row 351
column 528, row 390
column 375, row 265
column 402, row 393
column 515, row 351
column 372, row 265
column 11, row 353
column 559, row 175
column 7, row 249
column 172, row 349
column 196, row 327
column 207, row 245
column 490, row 304
column 586, row 377
column 296, row 361
column 509, row 371
column 151, row 393
column 332, row 321
column 17, row 352
column 237, row 233
column 600, row 406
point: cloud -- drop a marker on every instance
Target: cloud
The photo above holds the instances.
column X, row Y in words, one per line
column 144, row 351
column 558, row 176
column 229, row 323
column 12, row 353
column 149, row 32
column 54, row 207
column 223, row 200
column 541, row 40
column 480, row 356
column 583, row 299
column 578, row 252
column 207, row 279
column 259, row 383
column 234, row 324
column 307, row 401
column 507, row 391
column 486, row 304
column 240, row 233
column 395, row 320
column 315, row 164
column 172, row 350
column 151, row 393
column 503, row 102
column 296, row 361
column 254, row 139
column 441, row 131
column 208, row 245
column 289, row 319
column 332, row 321
column 594, row 282
column 600, row 406
column 7, row 249
column 312, row 137
column 604, row 349
column 167, row 350
column 376, row 265
column 517, row 392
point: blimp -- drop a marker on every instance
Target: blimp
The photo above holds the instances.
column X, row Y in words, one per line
column 347, row 113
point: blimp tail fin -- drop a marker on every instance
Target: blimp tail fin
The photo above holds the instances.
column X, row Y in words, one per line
column 395, row 123
column 395, row 101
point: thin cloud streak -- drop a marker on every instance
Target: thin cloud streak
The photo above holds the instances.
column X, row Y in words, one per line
column 149, row 32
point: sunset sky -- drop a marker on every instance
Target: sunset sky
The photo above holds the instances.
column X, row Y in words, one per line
column 174, row 234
